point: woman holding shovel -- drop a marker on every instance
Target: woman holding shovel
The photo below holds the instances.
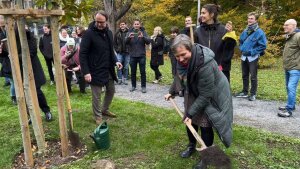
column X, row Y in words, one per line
column 207, row 96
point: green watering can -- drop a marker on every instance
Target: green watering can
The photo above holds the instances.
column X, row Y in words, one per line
column 101, row 136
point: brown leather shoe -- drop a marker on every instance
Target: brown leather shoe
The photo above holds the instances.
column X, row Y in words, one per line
column 109, row 114
column 98, row 120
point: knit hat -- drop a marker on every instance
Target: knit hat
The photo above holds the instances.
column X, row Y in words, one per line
column 70, row 42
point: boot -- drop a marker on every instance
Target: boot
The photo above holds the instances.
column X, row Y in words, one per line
column 189, row 151
column 14, row 100
column 200, row 165
column 125, row 81
column 48, row 116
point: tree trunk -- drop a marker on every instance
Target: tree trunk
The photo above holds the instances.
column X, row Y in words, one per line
column 114, row 14
column 15, row 66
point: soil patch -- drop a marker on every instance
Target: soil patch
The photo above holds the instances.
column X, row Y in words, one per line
column 52, row 156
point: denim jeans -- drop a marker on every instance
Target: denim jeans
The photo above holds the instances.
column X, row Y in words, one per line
column 142, row 64
column 124, row 58
column 12, row 87
column 291, row 83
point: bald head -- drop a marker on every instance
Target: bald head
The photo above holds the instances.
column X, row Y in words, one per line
column 290, row 26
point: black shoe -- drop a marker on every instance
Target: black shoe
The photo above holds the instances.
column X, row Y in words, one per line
column 188, row 152
column 200, row 165
column 144, row 90
column 181, row 94
column 48, row 116
column 14, row 100
column 241, row 95
column 29, row 122
column 132, row 89
column 252, row 98
column 286, row 113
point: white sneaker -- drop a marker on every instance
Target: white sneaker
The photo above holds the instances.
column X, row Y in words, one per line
column 155, row 81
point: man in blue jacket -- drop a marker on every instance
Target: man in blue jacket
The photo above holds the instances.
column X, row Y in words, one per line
column 253, row 43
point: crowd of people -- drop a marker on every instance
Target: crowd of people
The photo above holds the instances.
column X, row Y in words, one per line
column 200, row 57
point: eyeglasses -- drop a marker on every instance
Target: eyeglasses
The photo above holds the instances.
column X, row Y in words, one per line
column 100, row 22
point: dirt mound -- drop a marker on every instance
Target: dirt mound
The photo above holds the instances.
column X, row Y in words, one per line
column 52, row 156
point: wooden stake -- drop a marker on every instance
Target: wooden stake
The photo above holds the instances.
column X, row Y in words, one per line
column 30, row 88
column 59, row 86
column 15, row 66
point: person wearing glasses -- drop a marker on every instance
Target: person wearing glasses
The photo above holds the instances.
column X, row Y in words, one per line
column 97, row 62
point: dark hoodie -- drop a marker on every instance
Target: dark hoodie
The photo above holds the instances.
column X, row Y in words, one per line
column 137, row 45
column 211, row 36
column 45, row 46
column 97, row 55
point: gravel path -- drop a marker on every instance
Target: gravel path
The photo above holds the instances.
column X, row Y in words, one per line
column 259, row 114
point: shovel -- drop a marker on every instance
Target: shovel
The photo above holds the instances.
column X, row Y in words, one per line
column 73, row 136
column 212, row 155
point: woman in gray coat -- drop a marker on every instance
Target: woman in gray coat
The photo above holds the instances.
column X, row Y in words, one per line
column 207, row 96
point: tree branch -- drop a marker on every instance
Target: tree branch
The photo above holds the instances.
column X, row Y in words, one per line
column 123, row 10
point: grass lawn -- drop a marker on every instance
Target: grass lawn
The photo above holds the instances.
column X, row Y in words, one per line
column 144, row 136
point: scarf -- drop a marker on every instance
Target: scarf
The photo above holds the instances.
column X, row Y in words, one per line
column 231, row 35
column 182, row 70
column 252, row 28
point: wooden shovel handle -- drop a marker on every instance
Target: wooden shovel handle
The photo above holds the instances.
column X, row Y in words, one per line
column 68, row 102
column 191, row 128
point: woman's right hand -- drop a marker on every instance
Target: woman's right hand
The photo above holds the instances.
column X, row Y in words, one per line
column 168, row 96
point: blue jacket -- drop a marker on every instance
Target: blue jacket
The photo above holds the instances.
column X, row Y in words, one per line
column 253, row 45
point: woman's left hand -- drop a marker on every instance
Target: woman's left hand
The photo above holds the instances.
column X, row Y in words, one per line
column 188, row 121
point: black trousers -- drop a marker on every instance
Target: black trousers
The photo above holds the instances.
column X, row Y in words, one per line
column 155, row 68
column 227, row 74
column 207, row 135
column 133, row 65
column 49, row 63
column 42, row 100
column 80, row 79
column 174, row 65
column 249, row 68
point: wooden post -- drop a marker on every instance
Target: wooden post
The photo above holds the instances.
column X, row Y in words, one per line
column 15, row 66
column 29, row 83
column 59, row 86
column 30, row 88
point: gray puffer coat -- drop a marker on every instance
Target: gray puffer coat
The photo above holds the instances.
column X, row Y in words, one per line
column 211, row 90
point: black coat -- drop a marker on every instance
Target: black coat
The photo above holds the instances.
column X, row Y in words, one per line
column 38, row 72
column 45, row 46
column 211, row 37
column 93, row 55
column 119, row 41
column 187, row 31
column 5, row 61
column 228, row 51
column 137, row 45
column 157, row 47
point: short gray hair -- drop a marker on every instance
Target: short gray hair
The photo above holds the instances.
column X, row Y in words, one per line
column 182, row 40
